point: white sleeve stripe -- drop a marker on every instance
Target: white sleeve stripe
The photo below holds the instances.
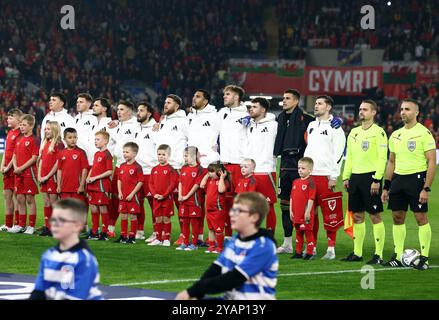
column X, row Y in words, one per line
column 242, row 272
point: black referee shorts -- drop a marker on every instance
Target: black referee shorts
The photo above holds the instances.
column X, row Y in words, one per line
column 360, row 199
column 405, row 190
column 288, row 173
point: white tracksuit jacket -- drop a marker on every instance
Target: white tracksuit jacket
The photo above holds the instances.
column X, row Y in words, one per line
column 145, row 139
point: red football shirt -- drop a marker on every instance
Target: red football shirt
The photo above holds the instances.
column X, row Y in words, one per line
column 102, row 162
column 71, row 162
column 48, row 159
column 11, row 140
column 302, row 191
column 214, row 200
column 190, row 176
column 129, row 176
column 246, row 185
column 25, row 148
column 163, row 180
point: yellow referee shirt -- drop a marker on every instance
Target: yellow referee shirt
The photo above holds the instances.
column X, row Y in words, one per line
column 366, row 152
column 409, row 146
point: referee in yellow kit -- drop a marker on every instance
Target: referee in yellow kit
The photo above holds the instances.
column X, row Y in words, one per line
column 409, row 176
column 366, row 158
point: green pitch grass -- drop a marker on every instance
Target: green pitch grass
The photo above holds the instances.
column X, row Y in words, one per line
column 165, row 269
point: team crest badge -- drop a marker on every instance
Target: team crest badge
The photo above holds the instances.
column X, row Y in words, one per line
column 75, row 156
column 131, row 171
column 194, row 174
column 411, row 145
column 165, row 171
column 365, row 145
column 304, row 187
column 245, row 185
column 26, row 143
column 332, row 204
column 99, row 159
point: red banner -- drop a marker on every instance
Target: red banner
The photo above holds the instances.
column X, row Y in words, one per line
column 427, row 72
column 270, row 83
column 342, row 81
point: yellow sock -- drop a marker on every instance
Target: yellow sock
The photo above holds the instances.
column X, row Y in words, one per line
column 379, row 234
column 425, row 239
column 399, row 232
column 359, row 234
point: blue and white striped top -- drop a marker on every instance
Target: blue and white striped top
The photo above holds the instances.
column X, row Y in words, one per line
column 71, row 274
column 256, row 259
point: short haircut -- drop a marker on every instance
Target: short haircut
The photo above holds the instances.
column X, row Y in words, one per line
column 69, row 130
column 15, row 112
column 104, row 102
column 257, row 204
column 127, row 104
column 176, row 98
column 29, row 119
column 206, row 94
column 61, row 97
column 253, row 162
column 412, row 101
column 236, row 89
column 132, row 145
column 307, row 160
column 164, row 147
column 263, row 102
column 104, row 134
column 294, row 92
column 76, row 207
column 86, row 96
column 149, row 106
column 327, row 99
column 372, row 103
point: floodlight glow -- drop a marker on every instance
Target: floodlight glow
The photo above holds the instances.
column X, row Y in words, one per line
column 266, row 97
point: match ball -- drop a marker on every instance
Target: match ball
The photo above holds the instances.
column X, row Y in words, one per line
column 410, row 257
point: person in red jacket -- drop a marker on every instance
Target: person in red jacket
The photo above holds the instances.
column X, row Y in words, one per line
column 6, row 168
column 248, row 182
column 162, row 182
column 25, row 169
column 47, row 167
column 190, row 210
column 129, row 185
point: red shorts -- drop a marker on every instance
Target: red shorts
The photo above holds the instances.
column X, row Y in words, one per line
column 25, row 185
column 186, row 211
column 49, row 186
column 114, row 182
column 332, row 209
column 322, row 188
column 163, row 212
column 131, row 207
column 146, row 192
column 9, row 180
column 98, row 198
column 216, row 221
column 73, row 195
column 266, row 184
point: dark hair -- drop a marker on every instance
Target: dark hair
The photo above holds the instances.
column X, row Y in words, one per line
column 149, row 106
column 15, row 112
column 86, row 96
column 218, row 166
column 206, row 94
column 416, row 103
column 61, row 97
column 104, row 102
column 176, row 98
column 132, row 145
column 127, row 103
column 327, row 99
column 76, row 206
column 294, row 92
column 69, row 130
column 372, row 103
column 257, row 204
column 263, row 102
column 236, row 89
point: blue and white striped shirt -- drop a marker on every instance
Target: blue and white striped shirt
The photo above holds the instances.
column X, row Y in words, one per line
column 71, row 274
column 256, row 259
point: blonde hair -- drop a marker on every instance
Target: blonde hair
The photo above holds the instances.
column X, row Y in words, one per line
column 56, row 136
column 104, row 134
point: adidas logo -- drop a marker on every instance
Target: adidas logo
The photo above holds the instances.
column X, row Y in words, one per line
column 146, row 137
column 77, row 120
column 87, row 123
column 225, row 115
column 135, row 136
column 174, row 128
column 375, row 206
column 132, row 209
column 265, row 129
column 93, row 127
column 311, row 130
column 128, row 131
column 251, row 129
column 62, row 124
column 324, row 132
column 206, row 124
column 29, row 191
column 419, row 205
column 194, row 213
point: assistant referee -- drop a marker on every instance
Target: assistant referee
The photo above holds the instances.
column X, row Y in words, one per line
column 409, row 176
column 366, row 158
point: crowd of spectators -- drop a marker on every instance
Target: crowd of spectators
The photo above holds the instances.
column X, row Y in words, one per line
column 406, row 29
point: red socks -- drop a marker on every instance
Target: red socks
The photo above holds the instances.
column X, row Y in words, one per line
column 22, row 220
column 47, row 215
column 185, row 229
column 331, row 238
column 95, row 222
column 133, row 229
column 167, row 231
column 220, row 240
column 16, row 218
column 299, row 240
column 310, row 244
column 123, row 227
column 141, row 217
column 105, row 221
column 195, row 224
column 32, row 220
column 271, row 218
column 9, row 218
column 316, row 228
column 158, row 227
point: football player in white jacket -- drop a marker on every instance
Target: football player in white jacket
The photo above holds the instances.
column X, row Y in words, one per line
column 234, row 120
column 325, row 146
column 58, row 113
column 84, row 122
column 261, row 137
column 101, row 107
column 124, row 132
